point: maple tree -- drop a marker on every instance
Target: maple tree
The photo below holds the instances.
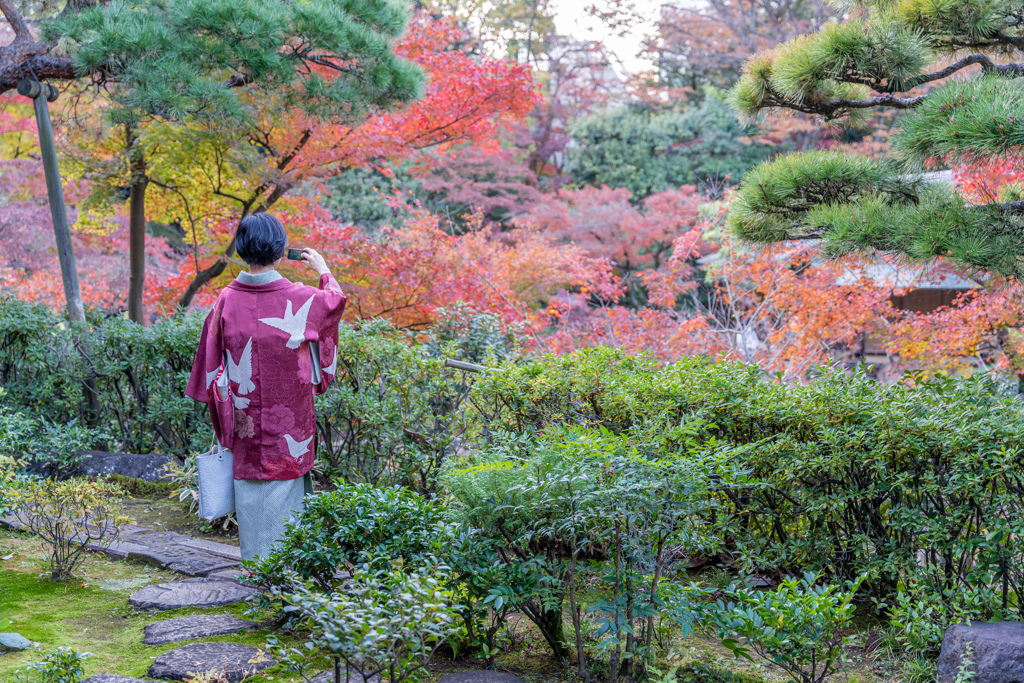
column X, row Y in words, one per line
column 983, row 327
column 780, row 307
column 466, row 101
column 606, row 224
column 179, row 60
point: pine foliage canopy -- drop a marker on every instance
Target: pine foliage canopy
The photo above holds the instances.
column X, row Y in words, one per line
column 880, row 56
column 177, row 58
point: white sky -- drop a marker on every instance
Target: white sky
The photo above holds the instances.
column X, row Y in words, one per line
column 571, row 18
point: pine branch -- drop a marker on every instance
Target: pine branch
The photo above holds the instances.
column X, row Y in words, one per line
column 1012, row 70
column 41, row 66
column 24, row 46
column 838, row 107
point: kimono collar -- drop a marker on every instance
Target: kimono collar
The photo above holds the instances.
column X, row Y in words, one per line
column 261, row 279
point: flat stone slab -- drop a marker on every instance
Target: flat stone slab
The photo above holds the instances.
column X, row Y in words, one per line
column 111, row 678
column 998, row 651
column 233, row 661
column 184, row 554
column 14, row 641
column 189, row 593
column 200, row 626
column 480, row 676
column 236, row 575
column 328, row 677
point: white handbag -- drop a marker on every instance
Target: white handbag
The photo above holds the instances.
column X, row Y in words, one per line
column 216, row 482
column 215, row 468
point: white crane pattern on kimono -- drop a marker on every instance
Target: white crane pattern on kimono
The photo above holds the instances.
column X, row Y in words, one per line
column 296, row 449
column 292, row 324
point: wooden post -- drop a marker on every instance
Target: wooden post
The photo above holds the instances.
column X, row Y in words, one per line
column 41, row 94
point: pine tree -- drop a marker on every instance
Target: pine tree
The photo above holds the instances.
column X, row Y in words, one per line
column 205, row 59
column 879, row 57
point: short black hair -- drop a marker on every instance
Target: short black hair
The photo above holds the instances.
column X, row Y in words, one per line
column 260, row 239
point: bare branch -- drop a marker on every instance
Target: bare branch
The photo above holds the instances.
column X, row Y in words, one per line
column 22, row 34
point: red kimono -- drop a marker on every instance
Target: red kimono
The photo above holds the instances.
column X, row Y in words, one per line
column 262, row 335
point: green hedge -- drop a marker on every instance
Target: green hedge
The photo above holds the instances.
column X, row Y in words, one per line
column 919, row 487
column 124, row 379
column 392, row 415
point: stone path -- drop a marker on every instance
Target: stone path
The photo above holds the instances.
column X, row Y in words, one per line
column 480, row 676
column 215, row 568
column 199, row 626
column 166, row 549
column 233, row 661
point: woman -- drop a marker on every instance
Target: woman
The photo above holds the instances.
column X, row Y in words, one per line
column 277, row 343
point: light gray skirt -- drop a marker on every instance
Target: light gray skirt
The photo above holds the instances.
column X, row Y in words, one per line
column 262, row 509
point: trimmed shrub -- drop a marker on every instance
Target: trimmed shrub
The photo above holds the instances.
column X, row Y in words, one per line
column 355, row 525
column 138, row 374
column 918, row 486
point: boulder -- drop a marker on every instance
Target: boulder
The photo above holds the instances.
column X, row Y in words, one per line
column 144, row 466
column 189, row 593
column 232, row 661
column 199, row 626
column 14, row 641
column 147, row 467
column 997, row 652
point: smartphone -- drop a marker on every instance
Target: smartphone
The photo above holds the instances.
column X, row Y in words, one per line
column 295, row 254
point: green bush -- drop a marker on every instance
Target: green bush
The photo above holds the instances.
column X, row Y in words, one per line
column 393, row 414
column 354, row 525
column 920, row 486
column 578, row 495
column 63, row 665
column 136, row 376
column 386, row 624
column 69, row 515
column 797, row 628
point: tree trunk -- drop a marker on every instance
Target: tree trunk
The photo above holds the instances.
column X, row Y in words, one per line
column 204, row 276
column 137, row 234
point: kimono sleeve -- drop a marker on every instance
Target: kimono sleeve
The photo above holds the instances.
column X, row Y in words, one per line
column 330, row 304
column 207, row 364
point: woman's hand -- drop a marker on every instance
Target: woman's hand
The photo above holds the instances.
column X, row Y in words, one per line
column 314, row 260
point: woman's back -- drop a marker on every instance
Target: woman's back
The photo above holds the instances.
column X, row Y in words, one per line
column 264, row 334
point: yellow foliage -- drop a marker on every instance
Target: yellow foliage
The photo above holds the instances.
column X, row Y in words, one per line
column 68, row 515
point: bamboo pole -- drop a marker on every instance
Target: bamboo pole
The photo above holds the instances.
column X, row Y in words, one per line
column 41, row 94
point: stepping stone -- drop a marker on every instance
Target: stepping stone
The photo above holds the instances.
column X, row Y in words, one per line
column 111, row 678
column 233, row 661
column 235, row 575
column 481, row 676
column 14, row 641
column 328, row 677
column 189, row 593
column 201, row 626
